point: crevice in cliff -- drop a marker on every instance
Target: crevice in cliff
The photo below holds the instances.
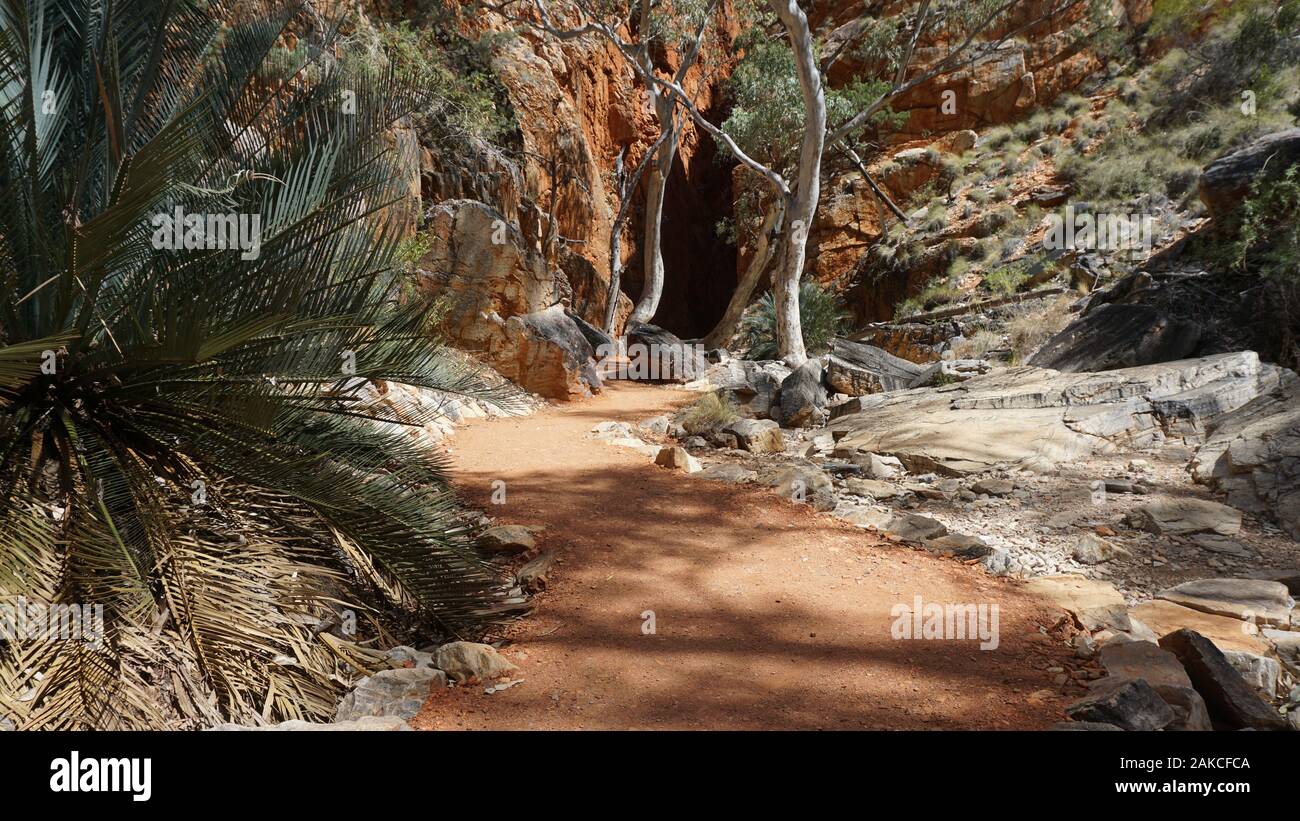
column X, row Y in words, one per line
column 700, row 268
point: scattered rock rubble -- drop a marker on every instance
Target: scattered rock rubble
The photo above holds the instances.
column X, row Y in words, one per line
column 1104, row 491
column 388, row 698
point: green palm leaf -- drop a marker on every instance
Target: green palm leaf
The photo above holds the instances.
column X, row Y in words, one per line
column 200, row 463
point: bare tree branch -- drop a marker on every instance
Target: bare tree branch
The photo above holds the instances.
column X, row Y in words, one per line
column 774, row 179
column 866, row 175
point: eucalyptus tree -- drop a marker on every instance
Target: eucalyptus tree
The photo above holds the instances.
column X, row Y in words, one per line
column 834, row 118
column 197, row 299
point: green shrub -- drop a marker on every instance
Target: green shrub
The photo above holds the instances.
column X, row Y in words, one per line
column 936, row 218
column 998, row 137
column 710, row 412
column 1074, row 103
column 1005, row 281
column 1267, row 223
column 821, row 316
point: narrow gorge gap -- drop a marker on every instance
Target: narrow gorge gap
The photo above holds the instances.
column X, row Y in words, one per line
column 699, row 266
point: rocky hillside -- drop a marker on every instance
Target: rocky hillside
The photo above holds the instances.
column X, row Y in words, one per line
column 964, row 183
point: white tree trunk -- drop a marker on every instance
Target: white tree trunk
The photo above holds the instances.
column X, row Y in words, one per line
column 652, row 288
column 803, row 206
column 726, row 327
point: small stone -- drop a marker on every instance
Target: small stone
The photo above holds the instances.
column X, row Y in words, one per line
column 872, row 488
column 1092, row 549
column 463, row 660
column 728, row 472
column 912, row 527
column 507, row 539
column 676, row 458
column 958, row 544
column 656, row 424
column 994, row 487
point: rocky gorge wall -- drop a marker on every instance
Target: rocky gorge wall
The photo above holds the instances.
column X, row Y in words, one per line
column 579, row 108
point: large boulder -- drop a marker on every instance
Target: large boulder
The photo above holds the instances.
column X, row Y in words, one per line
column 1252, row 600
column 1229, row 634
column 1162, row 670
column 1118, row 336
column 1095, row 605
column 1227, row 180
column 757, row 435
column 596, row 338
column 544, row 352
column 656, row 355
column 587, row 291
column 855, row 369
column 1253, row 455
column 803, row 396
column 1229, row 697
column 1130, row 704
column 1144, row 660
column 752, row 386
column 1183, row 516
column 1034, row 418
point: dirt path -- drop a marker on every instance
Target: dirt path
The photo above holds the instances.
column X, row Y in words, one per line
column 767, row 615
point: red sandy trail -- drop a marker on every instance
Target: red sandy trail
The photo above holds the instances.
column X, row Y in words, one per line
column 767, row 615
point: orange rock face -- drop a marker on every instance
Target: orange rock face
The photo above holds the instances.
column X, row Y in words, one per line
column 579, row 106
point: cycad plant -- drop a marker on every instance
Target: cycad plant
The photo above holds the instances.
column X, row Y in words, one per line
column 821, row 315
column 185, row 436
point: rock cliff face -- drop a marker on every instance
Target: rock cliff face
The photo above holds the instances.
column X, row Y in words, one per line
column 579, row 109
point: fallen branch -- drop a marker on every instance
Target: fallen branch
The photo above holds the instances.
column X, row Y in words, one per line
column 960, row 310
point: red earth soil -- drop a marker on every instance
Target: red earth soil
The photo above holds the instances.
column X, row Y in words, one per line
column 767, row 615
